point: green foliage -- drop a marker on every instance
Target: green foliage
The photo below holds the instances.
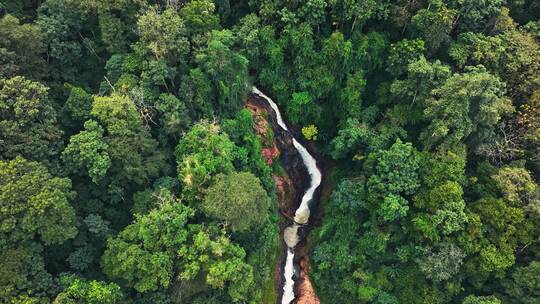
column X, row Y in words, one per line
column 476, row 15
column 78, row 105
column 174, row 115
column 62, row 22
column 162, row 245
column 512, row 55
column 132, row 150
column 426, row 113
column 116, row 19
column 200, row 19
column 443, row 264
column 522, row 285
column 226, row 70
column 163, row 34
column 88, row 150
column 23, row 278
column 34, row 203
column 143, row 253
column 468, row 103
column 516, row 185
column 28, row 121
column 202, row 153
column 350, row 138
column 78, row 290
column 21, row 47
column 434, row 24
column 393, row 207
column 403, row 53
column 471, row 299
column 238, row 199
column 310, row 132
column 396, row 170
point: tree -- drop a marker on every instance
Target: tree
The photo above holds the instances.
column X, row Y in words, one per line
column 411, row 93
column 356, row 12
column 350, row 97
column 301, row 109
column 313, row 12
column 200, row 19
column 23, row 276
column 164, row 35
column 88, row 150
column 475, row 16
column 226, row 70
column 133, row 152
column 350, row 138
column 248, row 35
column 35, row 204
column 393, row 207
column 238, row 199
column 447, row 206
column 337, row 256
column 500, row 222
column 513, row 55
column 396, row 170
column 516, row 185
column 434, row 24
column 164, row 244
column 310, row 132
column 523, row 285
column 472, row 299
column 28, row 121
column 62, row 23
column 77, row 290
column 116, row 19
column 201, row 154
column 402, row 53
column 21, row 47
column 77, row 107
column 467, row 104
column 442, row 265
column 174, row 115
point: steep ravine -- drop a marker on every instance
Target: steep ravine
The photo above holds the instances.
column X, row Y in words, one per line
column 303, row 174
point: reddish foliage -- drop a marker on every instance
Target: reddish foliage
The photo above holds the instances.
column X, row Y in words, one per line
column 269, row 154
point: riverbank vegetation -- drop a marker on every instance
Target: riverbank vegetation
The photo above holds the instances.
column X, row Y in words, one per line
column 130, row 172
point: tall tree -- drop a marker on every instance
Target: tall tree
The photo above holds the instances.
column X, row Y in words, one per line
column 201, row 154
column 21, row 48
column 88, row 151
column 132, row 150
column 468, row 104
column 238, row 199
column 28, row 121
column 35, row 204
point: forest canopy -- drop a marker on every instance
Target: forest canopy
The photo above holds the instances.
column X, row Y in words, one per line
column 131, row 172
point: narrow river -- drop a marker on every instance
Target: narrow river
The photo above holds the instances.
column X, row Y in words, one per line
column 301, row 217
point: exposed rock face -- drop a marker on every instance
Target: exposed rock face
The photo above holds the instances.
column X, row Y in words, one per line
column 281, row 146
column 306, row 292
column 289, row 194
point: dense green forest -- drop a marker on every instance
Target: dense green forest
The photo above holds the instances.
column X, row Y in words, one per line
column 130, row 171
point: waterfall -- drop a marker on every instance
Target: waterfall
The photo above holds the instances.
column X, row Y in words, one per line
column 301, row 217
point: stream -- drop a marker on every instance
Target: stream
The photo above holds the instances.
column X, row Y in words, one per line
column 302, row 213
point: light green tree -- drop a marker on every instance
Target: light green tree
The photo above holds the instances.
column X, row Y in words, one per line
column 34, row 204
column 238, row 199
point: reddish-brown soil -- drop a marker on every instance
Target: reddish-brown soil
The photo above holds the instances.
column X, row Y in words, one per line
column 305, row 291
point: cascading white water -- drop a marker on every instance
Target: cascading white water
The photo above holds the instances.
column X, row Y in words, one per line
column 290, row 235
